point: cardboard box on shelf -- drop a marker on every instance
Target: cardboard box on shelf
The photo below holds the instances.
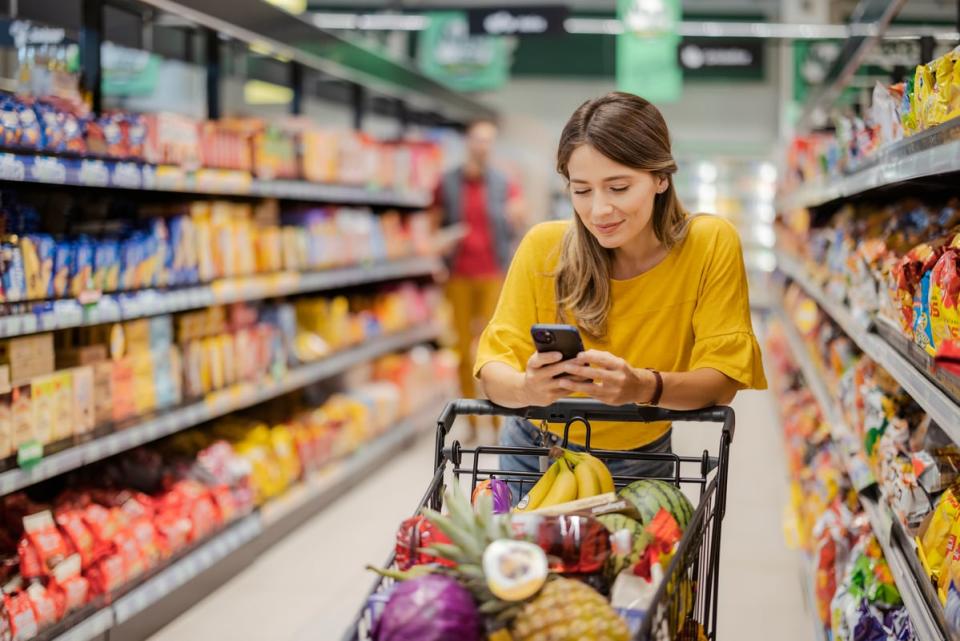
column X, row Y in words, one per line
column 122, row 390
column 102, row 392
column 21, row 408
column 28, row 357
column 63, row 419
column 6, row 425
column 144, row 390
column 83, row 399
column 42, row 391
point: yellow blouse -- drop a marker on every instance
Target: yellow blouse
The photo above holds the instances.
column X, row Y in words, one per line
column 689, row 312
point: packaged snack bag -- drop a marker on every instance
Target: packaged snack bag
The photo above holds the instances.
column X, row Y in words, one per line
column 62, row 262
column 38, row 255
column 943, row 299
column 21, row 617
column 81, row 276
column 78, row 534
column 922, row 332
column 30, row 133
column 9, row 123
column 73, row 587
column 939, row 540
column 14, row 282
column 43, row 535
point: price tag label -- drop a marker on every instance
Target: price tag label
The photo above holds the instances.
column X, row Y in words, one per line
column 49, row 170
column 12, row 168
column 94, row 173
column 127, row 175
column 29, row 454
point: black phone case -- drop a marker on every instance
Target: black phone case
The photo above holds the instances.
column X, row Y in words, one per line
column 566, row 340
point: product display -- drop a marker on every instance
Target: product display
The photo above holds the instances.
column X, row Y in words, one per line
column 211, row 240
column 853, row 588
column 929, row 97
column 268, row 151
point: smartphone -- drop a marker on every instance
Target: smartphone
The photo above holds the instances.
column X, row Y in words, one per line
column 557, row 338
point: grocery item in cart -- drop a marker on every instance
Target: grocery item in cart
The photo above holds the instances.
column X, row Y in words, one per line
column 429, row 608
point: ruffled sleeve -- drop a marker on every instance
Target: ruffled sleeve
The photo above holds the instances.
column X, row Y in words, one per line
column 723, row 331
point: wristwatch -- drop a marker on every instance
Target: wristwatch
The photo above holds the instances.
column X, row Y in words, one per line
column 658, row 390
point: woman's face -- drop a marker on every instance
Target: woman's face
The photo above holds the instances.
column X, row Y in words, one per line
column 615, row 202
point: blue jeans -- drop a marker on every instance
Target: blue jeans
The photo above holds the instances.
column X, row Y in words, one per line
column 518, row 432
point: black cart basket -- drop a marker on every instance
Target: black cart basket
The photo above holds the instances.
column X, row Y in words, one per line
column 694, row 569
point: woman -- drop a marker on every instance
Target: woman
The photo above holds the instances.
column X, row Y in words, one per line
column 659, row 296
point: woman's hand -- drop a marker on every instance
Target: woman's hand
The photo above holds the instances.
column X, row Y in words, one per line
column 610, row 380
column 540, row 385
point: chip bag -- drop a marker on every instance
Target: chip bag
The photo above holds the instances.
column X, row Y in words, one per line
column 939, row 540
column 943, row 298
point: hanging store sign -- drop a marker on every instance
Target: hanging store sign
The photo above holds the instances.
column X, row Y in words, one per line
column 517, row 21
column 448, row 53
column 704, row 57
column 647, row 50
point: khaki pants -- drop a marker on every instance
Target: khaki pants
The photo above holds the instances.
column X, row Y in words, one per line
column 473, row 301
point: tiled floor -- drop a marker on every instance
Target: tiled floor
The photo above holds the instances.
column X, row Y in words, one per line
column 310, row 586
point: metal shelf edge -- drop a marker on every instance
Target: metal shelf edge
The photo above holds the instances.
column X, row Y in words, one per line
column 191, row 415
column 134, row 175
column 170, row 302
column 943, row 409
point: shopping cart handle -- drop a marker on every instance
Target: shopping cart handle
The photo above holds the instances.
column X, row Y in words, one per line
column 567, row 410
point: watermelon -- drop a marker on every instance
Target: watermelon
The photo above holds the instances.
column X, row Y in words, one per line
column 648, row 496
column 619, row 559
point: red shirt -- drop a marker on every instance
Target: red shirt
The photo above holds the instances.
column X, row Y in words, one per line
column 476, row 255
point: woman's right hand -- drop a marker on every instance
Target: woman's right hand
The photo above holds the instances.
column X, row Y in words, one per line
column 540, row 387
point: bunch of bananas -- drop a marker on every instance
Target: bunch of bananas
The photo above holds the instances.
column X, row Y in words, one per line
column 573, row 475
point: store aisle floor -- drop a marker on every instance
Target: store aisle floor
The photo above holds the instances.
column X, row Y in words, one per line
column 308, row 587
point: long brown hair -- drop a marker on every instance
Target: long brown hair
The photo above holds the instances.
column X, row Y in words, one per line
column 631, row 131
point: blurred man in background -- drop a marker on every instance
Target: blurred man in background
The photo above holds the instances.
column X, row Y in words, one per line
column 488, row 208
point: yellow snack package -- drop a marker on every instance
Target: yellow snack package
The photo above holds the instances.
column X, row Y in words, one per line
column 939, row 541
column 923, row 83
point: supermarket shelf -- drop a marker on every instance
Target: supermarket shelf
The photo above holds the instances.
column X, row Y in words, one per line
column 112, row 308
column 88, row 172
column 303, row 500
column 857, row 469
column 930, row 153
column 923, row 616
column 187, row 568
column 214, row 405
column 328, row 483
column 943, row 409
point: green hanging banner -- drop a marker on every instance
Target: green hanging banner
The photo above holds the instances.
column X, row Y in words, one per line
column 448, row 53
column 647, row 49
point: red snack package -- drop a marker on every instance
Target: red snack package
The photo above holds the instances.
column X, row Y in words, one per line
column 225, row 502
column 50, row 546
column 948, row 357
column 104, row 523
column 44, row 605
column 174, row 529
column 74, row 588
column 414, row 534
column 107, row 574
column 129, row 548
column 31, row 567
column 78, row 534
column 20, row 616
column 148, row 540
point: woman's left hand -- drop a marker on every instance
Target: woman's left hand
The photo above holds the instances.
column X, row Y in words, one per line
column 610, row 380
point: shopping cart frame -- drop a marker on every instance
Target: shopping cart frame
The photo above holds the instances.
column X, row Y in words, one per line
column 697, row 560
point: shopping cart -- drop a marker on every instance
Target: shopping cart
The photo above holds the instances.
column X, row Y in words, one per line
column 693, row 571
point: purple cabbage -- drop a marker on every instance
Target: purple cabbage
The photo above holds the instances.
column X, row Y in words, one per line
column 429, row 608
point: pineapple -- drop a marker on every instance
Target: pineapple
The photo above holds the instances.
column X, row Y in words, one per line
column 564, row 610
column 568, row 610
